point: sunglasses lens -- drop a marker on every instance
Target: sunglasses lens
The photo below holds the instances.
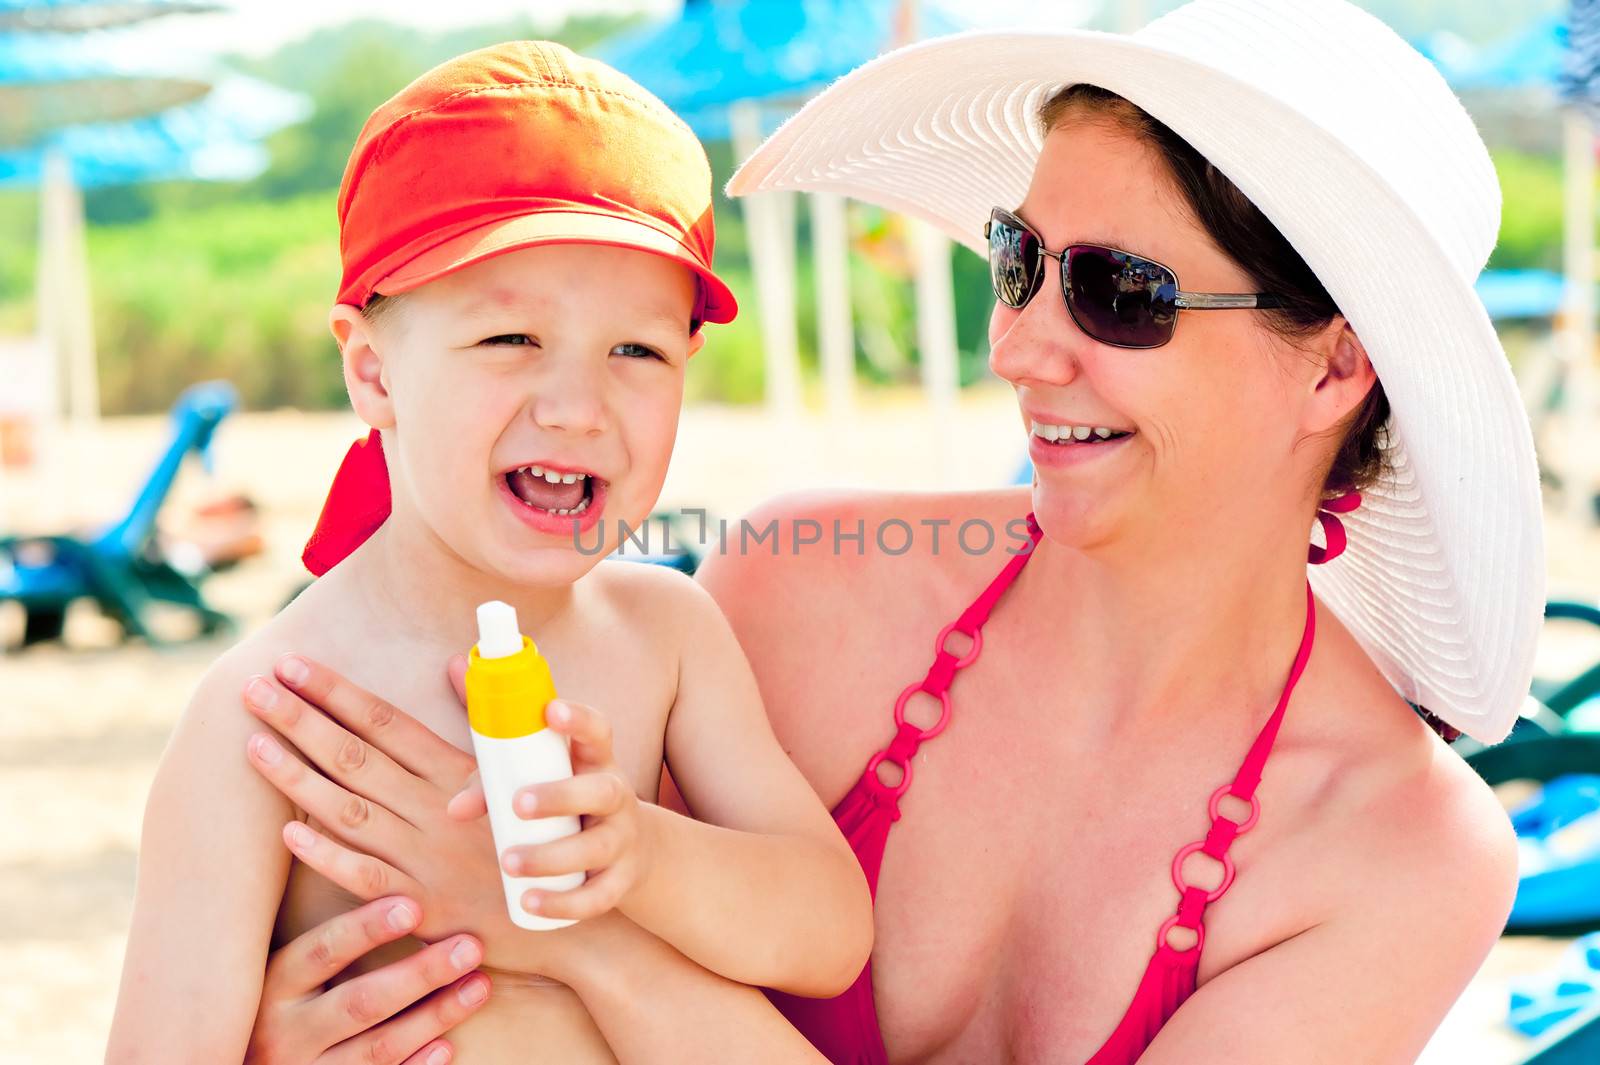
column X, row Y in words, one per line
column 1013, row 262
column 1121, row 299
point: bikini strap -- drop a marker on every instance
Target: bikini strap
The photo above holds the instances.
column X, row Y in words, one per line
column 1224, row 830
column 940, row 675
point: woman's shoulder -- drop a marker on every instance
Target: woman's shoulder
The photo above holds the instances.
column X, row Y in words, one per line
column 1412, row 829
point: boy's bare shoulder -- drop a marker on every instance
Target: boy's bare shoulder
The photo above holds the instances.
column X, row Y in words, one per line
column 659, row 597
column 303, row 626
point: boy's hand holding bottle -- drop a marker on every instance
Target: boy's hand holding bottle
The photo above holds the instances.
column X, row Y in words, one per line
column 615, row 845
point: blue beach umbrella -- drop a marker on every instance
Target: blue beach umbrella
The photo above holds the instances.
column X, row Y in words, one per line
column 1532, row 58
column 215, row 138
column 719, row 52
column 53, row 80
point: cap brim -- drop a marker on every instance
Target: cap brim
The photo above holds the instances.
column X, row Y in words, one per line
column 556, row 227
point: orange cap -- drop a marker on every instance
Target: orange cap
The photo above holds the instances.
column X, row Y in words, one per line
column 519, row 144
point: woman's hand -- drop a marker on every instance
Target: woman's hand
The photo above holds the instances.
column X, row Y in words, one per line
column 377, row 782
column 615, row 846
column 360, row 1022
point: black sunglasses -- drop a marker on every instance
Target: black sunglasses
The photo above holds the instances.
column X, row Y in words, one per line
column 1116, row 297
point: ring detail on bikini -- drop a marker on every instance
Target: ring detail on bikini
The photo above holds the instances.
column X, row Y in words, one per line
column 1228, row 871
column 943, row 695
column 961, row 661
column 1215, row 808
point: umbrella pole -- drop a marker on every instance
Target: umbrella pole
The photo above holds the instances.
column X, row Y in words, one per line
column 1579, row 313
column 769, row 231
column 936, row 317
column 830, row 247
column 64, row 298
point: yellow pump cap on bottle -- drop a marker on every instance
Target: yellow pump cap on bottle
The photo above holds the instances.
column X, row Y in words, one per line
column 506, row 696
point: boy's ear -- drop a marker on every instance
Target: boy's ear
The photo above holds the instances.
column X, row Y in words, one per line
column 365, row 374
column 697, row 341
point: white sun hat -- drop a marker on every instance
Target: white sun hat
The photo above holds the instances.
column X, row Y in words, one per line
column 1351, row 143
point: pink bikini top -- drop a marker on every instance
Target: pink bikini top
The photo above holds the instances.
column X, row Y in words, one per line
column 845, row 1028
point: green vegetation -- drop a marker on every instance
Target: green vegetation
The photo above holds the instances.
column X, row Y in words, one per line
column 194, row 281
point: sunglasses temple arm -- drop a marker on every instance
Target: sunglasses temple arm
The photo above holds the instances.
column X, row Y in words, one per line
column 1219, row 301
column 1226, row 301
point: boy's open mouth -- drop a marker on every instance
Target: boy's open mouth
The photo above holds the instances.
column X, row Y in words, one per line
column 552, row 491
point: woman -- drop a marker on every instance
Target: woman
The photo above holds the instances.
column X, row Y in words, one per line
column 1086, row 697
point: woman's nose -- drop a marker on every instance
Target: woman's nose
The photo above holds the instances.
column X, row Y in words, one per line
column 1040, row 344
column 571, row 400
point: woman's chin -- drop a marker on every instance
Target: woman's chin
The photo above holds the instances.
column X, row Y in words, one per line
column 1069, row 519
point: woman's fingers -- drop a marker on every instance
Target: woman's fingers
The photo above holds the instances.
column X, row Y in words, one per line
column 365, row 1002
column 342, row 756
column 418, row 1027
column 365, row 825
column 315, row 957
column 437, row 1052
column 388, row 728
column 360, row 874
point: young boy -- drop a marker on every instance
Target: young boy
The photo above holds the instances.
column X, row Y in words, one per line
column 527, row 240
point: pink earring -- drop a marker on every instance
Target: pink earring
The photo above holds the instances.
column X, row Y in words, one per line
column 1332, row 527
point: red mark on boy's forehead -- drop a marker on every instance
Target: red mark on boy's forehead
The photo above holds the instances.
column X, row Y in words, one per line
column 496, row 298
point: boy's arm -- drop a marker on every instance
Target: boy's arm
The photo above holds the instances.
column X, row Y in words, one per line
column 761, row 889
column 211, row 876
column 656, row 1007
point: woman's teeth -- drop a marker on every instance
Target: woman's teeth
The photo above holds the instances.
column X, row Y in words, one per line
column 1076, row 433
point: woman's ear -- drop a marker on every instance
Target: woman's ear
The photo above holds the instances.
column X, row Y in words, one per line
column 365, row 374
column 1344, row 380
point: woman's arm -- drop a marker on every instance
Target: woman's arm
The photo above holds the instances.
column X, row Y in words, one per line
column 211, row 876
column 1423, row 905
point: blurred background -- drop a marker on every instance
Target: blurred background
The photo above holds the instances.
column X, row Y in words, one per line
column 171, row 407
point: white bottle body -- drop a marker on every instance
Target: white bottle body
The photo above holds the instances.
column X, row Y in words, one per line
column 505, row 765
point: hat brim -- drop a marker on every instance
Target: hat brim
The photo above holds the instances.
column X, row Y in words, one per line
column 1443, row 579
column 556, row 227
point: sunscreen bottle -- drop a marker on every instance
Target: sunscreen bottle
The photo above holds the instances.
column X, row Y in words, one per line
column 508, row 686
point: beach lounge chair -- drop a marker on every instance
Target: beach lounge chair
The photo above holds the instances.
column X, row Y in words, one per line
column 121, row 568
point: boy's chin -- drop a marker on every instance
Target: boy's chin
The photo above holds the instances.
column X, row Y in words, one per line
column 548, row 564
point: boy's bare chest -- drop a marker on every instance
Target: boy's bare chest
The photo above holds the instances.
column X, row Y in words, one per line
column 620, row 681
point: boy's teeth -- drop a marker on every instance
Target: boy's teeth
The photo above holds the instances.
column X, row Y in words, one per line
column 1054, row 433
column 552, row 477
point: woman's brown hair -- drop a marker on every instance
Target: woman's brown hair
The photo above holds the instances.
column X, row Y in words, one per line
column 1247, row 237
